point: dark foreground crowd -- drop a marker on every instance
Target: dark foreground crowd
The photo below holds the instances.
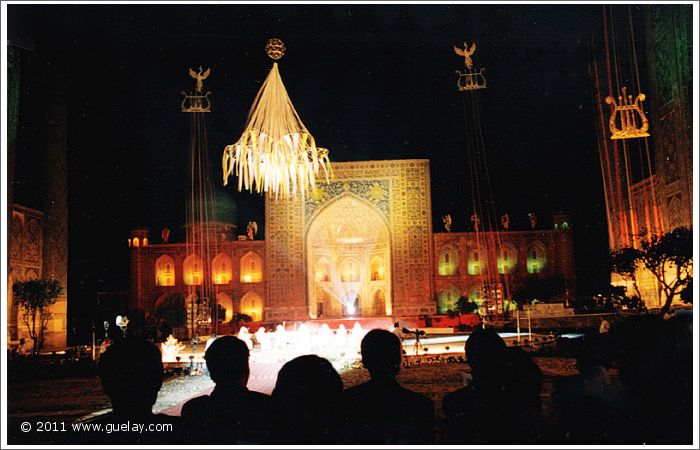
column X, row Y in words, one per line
column 650, row 402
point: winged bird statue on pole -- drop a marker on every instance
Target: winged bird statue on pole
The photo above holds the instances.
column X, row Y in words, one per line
column 467, row 53
column 199, row 76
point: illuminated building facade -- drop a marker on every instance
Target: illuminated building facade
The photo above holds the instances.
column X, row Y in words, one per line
column 461, row 266
column 29, row 255
column 235, row 273
column 25, row 254
column 648, row 182
column 361, row 245
column 669, row 44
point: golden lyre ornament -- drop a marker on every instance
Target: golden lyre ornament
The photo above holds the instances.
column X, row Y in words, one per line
column 630, row 127
column 276, row 153
column 197, row 102
column 470, row 79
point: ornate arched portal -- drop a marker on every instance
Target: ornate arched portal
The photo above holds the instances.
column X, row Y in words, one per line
column 349, row 241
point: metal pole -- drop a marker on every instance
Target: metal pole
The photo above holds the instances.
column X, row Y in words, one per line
column 96, row 314
column 216, row 313
column 192, row 313
column 517, row 317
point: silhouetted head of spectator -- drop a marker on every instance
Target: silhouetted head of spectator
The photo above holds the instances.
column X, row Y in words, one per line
column 593, row 353
column 308, row 398
column 486, row 354
column 131, row 371
column 648, row 351
column 636, row 339
column 227, row 361
column 381, row 353
column 523, row 376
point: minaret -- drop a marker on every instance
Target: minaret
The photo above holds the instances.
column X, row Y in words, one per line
column 13, row 89
column 55, row 206
column 138, row 240
column 564, row 253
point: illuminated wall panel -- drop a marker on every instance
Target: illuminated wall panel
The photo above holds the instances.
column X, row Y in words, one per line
column 193, row 270
column 165, row 271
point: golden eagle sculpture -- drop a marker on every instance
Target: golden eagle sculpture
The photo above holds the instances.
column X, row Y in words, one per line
column 199, row 76
column 467, row 53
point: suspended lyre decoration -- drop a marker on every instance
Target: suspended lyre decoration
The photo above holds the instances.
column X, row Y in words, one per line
column 629, row 126
column 470, row 79
column 197, row 102
column 276, row 153
column 202, row 228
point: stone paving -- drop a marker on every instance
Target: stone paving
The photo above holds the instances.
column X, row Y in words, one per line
column 76, row 399
column 432, row 380
column 263, row 376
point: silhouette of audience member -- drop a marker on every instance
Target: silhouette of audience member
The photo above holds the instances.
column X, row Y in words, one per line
column 655, row 360
column 524, row 384
column 590, row 406
column 381, row 411
column 131, row 372
column 307, row 401
column 231, row 414
column 502, row 403
column 165, row 330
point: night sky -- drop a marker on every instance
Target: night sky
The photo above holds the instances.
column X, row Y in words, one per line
column 369, row 82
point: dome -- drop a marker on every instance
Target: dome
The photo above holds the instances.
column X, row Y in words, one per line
column 223, row 207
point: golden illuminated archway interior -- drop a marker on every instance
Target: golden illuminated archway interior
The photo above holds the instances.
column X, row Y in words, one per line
column 165, row 271
column 349, row 261
column 252, row 305
column 222, row 267
column 225, row 305
column 251, row 268
column 193, row 270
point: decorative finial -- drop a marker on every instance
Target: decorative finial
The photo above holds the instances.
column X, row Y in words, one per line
column 470, row 79
column 197, row 102
column 275, row 48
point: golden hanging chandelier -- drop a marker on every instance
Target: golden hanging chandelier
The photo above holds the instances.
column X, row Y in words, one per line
column 276, row 153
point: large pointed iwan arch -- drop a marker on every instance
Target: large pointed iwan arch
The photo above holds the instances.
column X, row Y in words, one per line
column 349, row 235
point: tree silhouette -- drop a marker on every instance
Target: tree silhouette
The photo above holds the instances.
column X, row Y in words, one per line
column 172, row 309
column 35, row 296
column 464, row 306
column 624, row 263
column 668, row 257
